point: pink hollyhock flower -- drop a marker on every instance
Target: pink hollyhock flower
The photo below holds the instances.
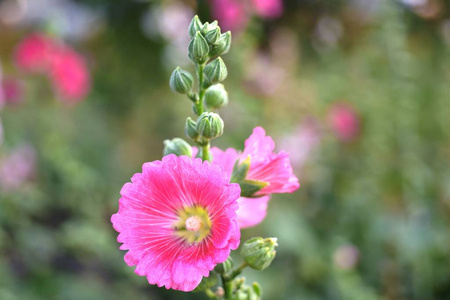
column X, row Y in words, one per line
column 69, row 75
column 34, row 52
column 344, row 121
column 16, row 168
column 231, row 14
column 268, row 8
column 268, row 166
column 177, row 219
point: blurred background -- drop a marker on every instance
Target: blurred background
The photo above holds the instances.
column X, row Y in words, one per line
column 356, row 90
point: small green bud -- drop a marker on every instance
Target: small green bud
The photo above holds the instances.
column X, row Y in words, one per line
column 198, row 48
column 259, row 253
column 191, row 129
column 216, row 71
column 213, row 36
column 208, row 27
column 216, row 96
column 181, row 81
column 210, row 125
column 177, row 146
column 207, row 282
column 224, row 267
column 222, row 46
column 194, row 26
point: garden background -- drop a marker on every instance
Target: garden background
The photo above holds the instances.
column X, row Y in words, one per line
column 357, row 91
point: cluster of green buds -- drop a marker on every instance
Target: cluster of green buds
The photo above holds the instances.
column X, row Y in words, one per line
column 258, row 253
column 206, row 45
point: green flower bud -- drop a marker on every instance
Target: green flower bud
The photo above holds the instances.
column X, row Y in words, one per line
column 224, row 267
column 222, row 46
column 210, row 125
column 208, row 27
column 181, row 81
column 191, row 129
column 259, row 253
column 194, row 26
column 216, row 96
column 216, row 71
column 178, row 147
column 213, row 36
column 198, row 48
column 207, row 282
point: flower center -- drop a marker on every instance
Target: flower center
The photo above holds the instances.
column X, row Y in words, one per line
column 193, row 224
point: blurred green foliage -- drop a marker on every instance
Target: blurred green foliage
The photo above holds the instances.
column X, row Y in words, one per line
column 386, row 193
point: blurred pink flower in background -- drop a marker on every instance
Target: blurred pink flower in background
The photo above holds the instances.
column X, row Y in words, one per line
column 69, row 75
column 34, row 52
column 346, row 256
column 268, row 8
column 17, row 167
column 300, row 143
column 344, row 121
column 231, row 14
column 234, row 15
column 12, row 91
column 65, row 68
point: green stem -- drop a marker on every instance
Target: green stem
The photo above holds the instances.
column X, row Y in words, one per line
column 238, row 270
column 228, row 288
column 205, row 152
column 210, row 294
column 201, row 90
column 199, row 104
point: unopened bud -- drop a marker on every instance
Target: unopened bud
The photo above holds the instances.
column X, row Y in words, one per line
column 259, row 253
column 213, row 36
column 216, row 96
column 208, row 27
column 222, row 46
column 191, row 129
column 194, row 26
column 181, row 81
column 210, row 125
column 216, row 71
column 224, row 267
column 177, row 146
column 198, row 48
